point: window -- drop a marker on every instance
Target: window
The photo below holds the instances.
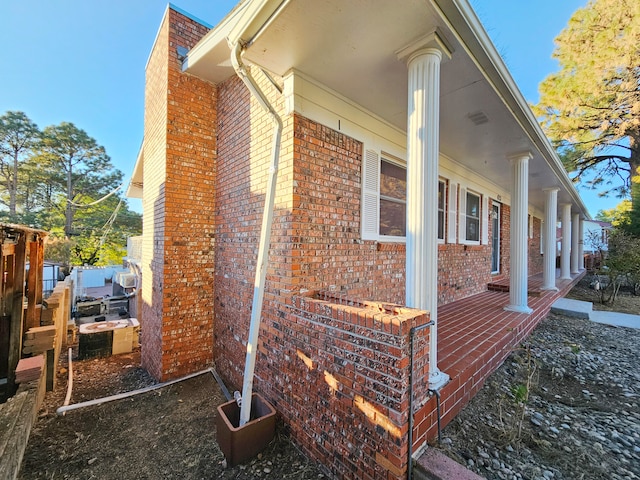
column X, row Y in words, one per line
column 474, row 218
column 472, row 226
column 393, row 199
column 441, row 203
column 384, row 199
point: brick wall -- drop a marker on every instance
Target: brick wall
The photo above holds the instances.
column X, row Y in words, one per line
column 327, row 172
column 342, row 381
column 206, row 154
column 505, row 240
column 154, row 151
column 316, row 236
column 536, row 260
column 315, row 245
column 178, row 244
column 316, row 229
column 245, row 134
column 463, row 270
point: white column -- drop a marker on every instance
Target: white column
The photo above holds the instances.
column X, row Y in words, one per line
column 518, row 275
column 423, row 134
column 550, row 248
column 575, row 238
column 565, row 249
column 581, row 245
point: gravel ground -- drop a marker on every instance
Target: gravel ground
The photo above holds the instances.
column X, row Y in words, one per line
column 563, row 406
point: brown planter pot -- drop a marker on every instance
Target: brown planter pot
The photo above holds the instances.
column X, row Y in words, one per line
column 240, row 444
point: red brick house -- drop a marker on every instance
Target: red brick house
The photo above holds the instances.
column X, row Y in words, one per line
column 410, row 172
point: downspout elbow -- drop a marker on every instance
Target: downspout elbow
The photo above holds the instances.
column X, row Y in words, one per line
column 242, row 72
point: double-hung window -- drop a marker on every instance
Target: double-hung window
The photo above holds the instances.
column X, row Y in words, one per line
column 384, row 199
column 393, row 199
column 472, row 226
column 441, row 208
column 474, row 220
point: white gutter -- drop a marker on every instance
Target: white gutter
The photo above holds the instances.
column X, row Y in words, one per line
column 237, row 47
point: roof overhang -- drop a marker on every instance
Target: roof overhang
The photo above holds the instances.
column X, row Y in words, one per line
column 352, row 48
column 134, row 190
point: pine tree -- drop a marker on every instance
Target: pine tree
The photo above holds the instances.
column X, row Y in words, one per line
column 18, row 136
column 590, row 108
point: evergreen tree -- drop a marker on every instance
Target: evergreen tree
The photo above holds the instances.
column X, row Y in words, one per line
column 18, row 136
column 617, row 216
column 62, row 181
column 78, row 167
column 590, row 108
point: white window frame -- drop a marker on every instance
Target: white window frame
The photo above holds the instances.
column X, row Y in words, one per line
column 499, row 224
column 443, row 182
column 384, row 157
column 452, row 216
column 370, row 208
column 530, row 227
column 483, row 218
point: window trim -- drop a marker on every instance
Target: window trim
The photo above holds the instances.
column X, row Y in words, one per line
column 445, row 204
column 462, row 217
column 498, row 219
column 370, row 199
column 390, row 159
column 385, row 157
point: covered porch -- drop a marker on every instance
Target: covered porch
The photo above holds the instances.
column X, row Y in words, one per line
column 475, row 336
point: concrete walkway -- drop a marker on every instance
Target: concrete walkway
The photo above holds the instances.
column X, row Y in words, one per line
column 580, row 309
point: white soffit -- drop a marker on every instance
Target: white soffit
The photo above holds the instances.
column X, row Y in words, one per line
column 350, row 46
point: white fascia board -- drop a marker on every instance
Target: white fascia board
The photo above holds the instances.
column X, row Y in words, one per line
column 255, row 17
column 134, row 190
column 211, row 54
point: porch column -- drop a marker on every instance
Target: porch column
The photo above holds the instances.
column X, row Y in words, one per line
column 423, row 131
column 550, row 247
column 565, row 249
column 519, row 235
column 575, row 238
column 581, row 245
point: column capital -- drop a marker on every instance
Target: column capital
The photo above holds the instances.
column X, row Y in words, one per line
column 433, row 42
column 551, row 189
column 514, row 157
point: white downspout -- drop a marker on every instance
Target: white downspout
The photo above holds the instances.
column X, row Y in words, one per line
column 265, row 233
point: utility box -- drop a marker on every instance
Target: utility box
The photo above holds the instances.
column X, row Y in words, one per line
column 102, row 339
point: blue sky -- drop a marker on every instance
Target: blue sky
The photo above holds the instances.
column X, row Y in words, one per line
column 82, row 61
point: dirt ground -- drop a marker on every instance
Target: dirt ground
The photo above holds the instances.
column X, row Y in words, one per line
column 164, row 434
column 624, row 303
column 533, row 417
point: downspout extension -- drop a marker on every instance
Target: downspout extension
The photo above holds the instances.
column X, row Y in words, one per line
column 412, row 333
column 265, row 233
column 119, row 396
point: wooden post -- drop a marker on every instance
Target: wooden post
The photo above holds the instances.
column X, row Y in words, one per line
column 40, row 264
column 34, row 279
column 6, row 274
column 16, row 308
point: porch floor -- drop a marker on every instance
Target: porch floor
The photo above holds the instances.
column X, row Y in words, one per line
column 475, row 335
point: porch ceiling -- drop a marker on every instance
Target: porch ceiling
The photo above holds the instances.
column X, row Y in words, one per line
column 351, row 47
